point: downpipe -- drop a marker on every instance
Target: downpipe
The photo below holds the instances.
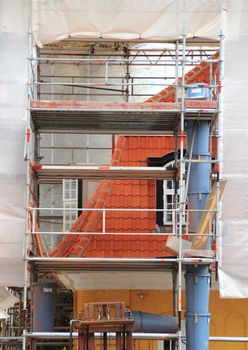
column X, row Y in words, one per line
column 198, row 276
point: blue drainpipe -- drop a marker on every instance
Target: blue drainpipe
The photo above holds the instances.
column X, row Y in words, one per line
column 197, row 276
column 197, row 299
column 199, row 180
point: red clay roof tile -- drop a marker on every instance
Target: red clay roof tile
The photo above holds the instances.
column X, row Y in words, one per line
column 124, row 194
column 138, row 246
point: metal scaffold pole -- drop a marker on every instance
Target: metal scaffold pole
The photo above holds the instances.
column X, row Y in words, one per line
column 220, row 134
column 181, row 186
column 27, row 238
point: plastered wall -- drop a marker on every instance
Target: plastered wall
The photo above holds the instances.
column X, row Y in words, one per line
column 229, row 316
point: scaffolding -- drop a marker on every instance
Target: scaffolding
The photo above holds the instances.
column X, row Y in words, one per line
column 71, row 116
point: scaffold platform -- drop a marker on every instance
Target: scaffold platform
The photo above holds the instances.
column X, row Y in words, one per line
column 115, row 117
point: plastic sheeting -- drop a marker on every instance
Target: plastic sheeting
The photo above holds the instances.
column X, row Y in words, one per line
column 233, row 271
column 128, row 19
column 55, row 20
column 6, row 299
column 13, row 79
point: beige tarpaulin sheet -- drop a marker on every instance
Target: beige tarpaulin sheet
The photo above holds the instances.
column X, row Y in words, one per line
column 54, row 20
column 123, row 19
column 13, row 92
column 233, row 272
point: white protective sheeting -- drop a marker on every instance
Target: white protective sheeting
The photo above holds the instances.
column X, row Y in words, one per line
column 6, row 299
column 13, row 79
column 55, row 20
column 233, row 272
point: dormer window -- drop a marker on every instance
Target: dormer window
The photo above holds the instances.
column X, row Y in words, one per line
column 166, row 194
column 169, row 200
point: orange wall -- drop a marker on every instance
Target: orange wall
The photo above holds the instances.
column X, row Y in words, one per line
column 229, row 316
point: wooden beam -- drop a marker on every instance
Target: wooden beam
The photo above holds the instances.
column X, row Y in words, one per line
column 196, row 253
column 46, row 172
column 207, row 217
column 122, row 106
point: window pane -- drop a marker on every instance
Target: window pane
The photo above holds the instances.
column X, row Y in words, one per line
column 169, row 185
column 169, row 198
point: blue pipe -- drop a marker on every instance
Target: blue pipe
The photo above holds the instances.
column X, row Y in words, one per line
column 197, row 276
column 199, row 180
column 44, row 298
column 152, row 323
column 197, row 299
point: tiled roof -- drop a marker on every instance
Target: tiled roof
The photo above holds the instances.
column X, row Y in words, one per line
column 135, row 194
column 123, row 246
column 129, row 151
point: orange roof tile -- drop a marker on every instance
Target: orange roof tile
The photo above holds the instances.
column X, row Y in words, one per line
column 123, row 246
column 137, row 194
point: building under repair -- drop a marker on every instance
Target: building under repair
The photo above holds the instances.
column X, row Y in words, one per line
column 123, row 212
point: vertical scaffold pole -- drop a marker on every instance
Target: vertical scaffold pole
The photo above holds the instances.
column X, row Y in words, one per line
column 176, row 70
column 27, row 159
column 220, row 133
column 181, row 186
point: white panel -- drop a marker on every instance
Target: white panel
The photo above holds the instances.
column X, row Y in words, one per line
column 129, row 19
column 232, row 286
column 234, row 264
column 13, row 79
column 117, row 280
column 13, row 272
column 6, row 298
column 134, row 19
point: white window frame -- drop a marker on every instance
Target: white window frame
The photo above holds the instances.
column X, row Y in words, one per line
column 70, row 201
column 169, row 190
